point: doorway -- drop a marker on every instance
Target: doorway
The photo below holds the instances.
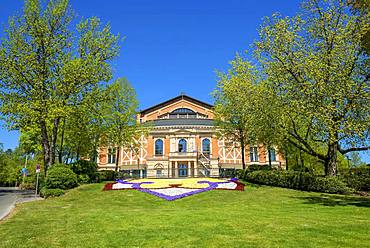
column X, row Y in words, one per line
column 183, row 169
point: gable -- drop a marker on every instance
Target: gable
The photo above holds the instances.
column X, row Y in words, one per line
column 180, row 102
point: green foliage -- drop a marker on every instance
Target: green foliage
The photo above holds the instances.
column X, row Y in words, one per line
column 357, row 178
column 233, row 109
column 87, row 171
column 11, row 163
column 27, row 186
column 46, row 193
column 298, row 180
column 108, row 175
column 355, row 160
column 120, row 116
column 60, row 176
column 318, row 75
column 48, row 69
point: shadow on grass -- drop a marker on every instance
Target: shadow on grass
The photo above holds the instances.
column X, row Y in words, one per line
column 336, row 200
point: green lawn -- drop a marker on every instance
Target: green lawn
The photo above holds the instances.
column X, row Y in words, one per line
column 257, row 217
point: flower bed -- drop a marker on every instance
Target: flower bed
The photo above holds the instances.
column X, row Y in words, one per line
column 172, row 189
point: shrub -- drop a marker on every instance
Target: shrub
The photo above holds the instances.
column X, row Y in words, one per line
column 107, row 175
column 46, row 193
column 253, row 167
column 61, row 177
column 87, row 171
column 299, row 180
column 27, row 186
column 357, row 178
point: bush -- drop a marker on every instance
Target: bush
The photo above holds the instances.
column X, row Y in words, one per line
column 357, row 178
column 46, row 193
column 107, row 175
column 61, row 177
column 87, row 171
column 299, row 180
column 27, row 186
column 253, row 167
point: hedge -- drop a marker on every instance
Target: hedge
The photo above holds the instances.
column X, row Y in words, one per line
column 357, row 178
column 108, row 175
column 61, row 177
column 46, row 193
column 87, row 171
column 298, row 180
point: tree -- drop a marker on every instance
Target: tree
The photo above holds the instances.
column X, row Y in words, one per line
column 362, row 7
column 81, row 130
column 120, row 116
column 319, row 73
column 47, row 69
column 234, row 101
column 355, row 160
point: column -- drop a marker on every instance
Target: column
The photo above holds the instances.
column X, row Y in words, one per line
column 176, row 169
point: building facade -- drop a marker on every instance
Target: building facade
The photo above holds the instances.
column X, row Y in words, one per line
column 181, row 141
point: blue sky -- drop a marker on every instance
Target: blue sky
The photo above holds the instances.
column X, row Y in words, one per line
column 171, row 46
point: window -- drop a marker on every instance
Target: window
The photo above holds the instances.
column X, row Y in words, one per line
column 183, row 113
column 206, row 146
column 158, row 170
column 272, row 154
column 159, row 147
column 182, row 145
column 183, row 170
column 158, row 173
column 254, row 154
column 111, row 155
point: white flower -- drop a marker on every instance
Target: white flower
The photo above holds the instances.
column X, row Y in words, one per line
column 230, row 185
column 121, row 186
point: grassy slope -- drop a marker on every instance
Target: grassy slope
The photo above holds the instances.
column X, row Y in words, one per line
column 258, row 217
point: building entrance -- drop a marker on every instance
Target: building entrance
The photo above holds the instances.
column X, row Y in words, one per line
column 183, row 169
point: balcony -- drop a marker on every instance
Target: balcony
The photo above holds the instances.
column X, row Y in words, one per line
column 182, row 154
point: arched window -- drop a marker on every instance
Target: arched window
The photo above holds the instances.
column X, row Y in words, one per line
column 206, row 146
column 183, row 113
column 159, row 147
column 182, row 145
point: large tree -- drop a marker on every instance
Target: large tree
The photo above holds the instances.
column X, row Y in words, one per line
column 235, row 101
column 319, row 73
column 120, row 111
column 47, row 67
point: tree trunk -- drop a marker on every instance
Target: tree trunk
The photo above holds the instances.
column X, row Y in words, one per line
column 243, row 151
column 61, row 142
column 54, row 140
column 269, row 154
column 117, row 159
column 45, row 145
column 331, row 161
column 301, row 159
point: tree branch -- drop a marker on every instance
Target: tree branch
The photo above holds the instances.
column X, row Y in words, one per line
column 353, row 149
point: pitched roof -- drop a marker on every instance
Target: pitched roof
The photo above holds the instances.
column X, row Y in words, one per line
column 175, row 99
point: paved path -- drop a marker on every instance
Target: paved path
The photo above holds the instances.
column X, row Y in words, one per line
column 9, row 196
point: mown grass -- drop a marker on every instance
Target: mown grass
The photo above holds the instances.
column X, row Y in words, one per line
column 257, row 217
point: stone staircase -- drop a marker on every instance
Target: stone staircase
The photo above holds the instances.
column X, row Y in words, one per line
column 204, row 165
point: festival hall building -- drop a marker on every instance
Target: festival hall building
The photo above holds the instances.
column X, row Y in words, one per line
column 181, row 141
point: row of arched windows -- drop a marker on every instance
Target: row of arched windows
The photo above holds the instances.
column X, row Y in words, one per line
column 182, row 146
